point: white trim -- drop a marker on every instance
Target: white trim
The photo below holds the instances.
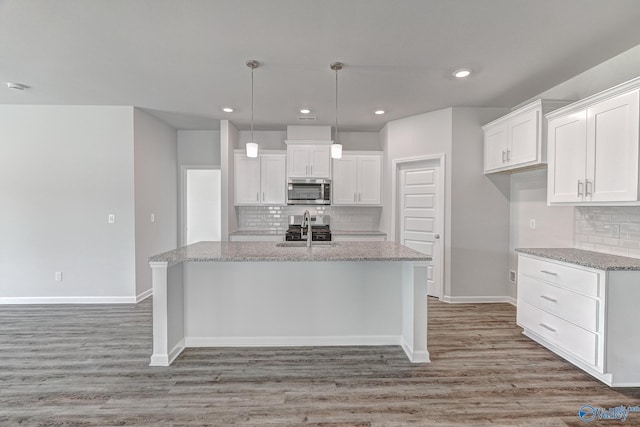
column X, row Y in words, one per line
column 415, row 356
column 284, row 341
column 395, row 168
column 167, row 359
column 512, row 301
column 68, row 300
column 144, row 295
column 477, row 299
column 588, row 368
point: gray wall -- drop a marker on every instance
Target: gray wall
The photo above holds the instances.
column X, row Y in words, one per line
column 479, row 212
column 199, row 147
column 156, row 181
column 63, row 169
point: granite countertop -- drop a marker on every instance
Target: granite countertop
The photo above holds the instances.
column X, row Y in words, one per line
column 257, row 233
column 597, row 260
column 268, row 251
column 358, row 233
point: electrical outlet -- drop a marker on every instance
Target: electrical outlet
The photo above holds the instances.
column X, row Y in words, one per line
column 111, row 219
column 58, row 276
column 532, row 224
column 153, row 217
column 512, row 276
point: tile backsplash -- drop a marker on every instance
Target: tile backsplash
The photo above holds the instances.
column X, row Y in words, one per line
column 614, row 230
column 276, row 218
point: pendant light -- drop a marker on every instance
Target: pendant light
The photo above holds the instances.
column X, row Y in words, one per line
column 336, row 147
column 252, row 146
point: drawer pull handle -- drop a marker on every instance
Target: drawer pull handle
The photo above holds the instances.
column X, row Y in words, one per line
column 548, row 298
column 548, row 272
column 549, row 328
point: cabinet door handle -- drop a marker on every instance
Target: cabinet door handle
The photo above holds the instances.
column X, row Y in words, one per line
column 311, row 170
column 257, row 196
column 548, row 272
column 503, row 153
column 263, row 196
column 579, row 188
column 508, row 154
column 549, row 328
column 354, row 197
column 588, row 193
column 548, row 298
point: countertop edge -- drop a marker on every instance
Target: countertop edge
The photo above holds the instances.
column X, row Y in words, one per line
column 585, row 258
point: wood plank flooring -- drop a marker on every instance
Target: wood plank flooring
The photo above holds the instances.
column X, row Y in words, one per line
column 88, row 366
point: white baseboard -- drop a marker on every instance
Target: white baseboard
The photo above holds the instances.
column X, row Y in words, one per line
column 512, row 301
column 292, row 341
column 144, row 295
column 477, row 299
column 415, row 356
column 68, row 300
column 167, row 359
column 76, row 300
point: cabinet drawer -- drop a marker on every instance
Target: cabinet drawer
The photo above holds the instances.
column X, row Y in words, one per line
column 568, row 305
column 572, row 338
column 575, row 279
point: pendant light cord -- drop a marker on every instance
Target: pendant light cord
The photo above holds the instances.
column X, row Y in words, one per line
column 252, row 104
column 335, row 139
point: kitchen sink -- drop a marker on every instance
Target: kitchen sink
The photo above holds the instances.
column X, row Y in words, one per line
column 302, row 244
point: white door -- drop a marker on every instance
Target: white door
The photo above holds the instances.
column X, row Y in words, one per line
column 421, row 216
column 612, row 149
column 523, row 138
column 273, row 179
column 202, row 210
column 567, row 157
column 369, row 180
column 345, row 180
column 495, row 142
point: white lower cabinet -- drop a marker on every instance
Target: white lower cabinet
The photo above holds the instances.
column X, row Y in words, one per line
column 587, row 316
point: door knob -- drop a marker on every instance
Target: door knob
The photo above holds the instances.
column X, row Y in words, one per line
column 436, row 236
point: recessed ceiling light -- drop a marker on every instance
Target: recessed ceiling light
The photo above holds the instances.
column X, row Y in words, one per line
column 462, row 73
column 227, row 109
column 17, row 86
column 378, row 112
column 305, row 110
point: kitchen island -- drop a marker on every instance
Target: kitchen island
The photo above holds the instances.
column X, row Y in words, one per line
column 226, row 294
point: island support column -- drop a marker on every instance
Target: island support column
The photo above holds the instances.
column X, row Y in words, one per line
column 168, row 312
column 414, row 311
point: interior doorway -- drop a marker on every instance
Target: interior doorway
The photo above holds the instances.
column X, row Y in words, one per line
column 419, row 218
column 201, row 205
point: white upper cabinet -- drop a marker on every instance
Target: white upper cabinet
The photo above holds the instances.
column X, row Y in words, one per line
column 312, row 160
column 594, row 149
column 357, row 180
column 516, row 140
column 261, row 180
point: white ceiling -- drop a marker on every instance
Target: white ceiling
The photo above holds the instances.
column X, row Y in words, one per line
column 182, row 60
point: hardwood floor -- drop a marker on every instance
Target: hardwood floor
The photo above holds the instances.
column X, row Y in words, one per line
column 88, row 366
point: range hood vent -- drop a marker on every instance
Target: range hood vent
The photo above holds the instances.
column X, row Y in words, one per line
column 307, row 118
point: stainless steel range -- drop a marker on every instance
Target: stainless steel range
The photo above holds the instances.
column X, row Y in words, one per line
column 320, row 230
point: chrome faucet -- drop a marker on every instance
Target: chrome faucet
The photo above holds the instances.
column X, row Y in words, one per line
column 306, row 219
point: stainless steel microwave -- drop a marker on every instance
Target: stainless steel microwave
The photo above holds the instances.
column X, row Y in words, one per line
column 309, row 191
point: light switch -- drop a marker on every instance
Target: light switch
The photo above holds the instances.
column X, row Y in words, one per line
column 532, row 224
column 111, row 219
